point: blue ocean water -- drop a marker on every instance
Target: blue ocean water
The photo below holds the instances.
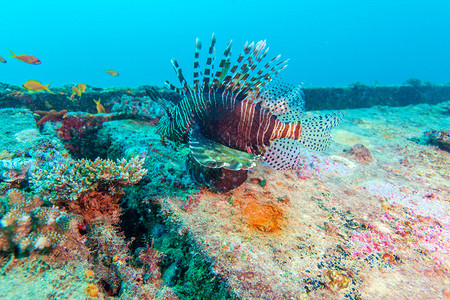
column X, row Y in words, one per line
column 330, row 43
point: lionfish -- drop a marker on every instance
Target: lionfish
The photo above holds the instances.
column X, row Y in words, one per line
column 237, row 113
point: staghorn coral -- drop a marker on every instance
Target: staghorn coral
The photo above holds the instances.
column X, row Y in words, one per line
column 26, row 225
column 70, row 180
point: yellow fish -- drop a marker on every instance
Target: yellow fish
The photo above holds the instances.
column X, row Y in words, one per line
column 2, row 60
column 29, row 59
column 81, row 87
column 112, row 73
column 76, row 91
column 100, row 108
column 36, row 86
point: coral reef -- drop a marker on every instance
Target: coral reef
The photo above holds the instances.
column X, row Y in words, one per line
column 26, row 225
column 77, row 130
column 117, row 272
column 135, row 106
column 68, row 181
column 166, row 172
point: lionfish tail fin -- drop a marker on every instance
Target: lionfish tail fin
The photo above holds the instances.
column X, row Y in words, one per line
column 316, row 131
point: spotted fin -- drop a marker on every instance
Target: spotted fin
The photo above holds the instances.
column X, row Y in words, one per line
column 316, row 131
column 284, row 154
column 214, row 155
column 284, row 101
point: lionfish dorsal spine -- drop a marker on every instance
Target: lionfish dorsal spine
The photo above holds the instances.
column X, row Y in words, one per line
column 209, row 65
column 183, row 82
column 224, row 65
column 198, row 47
column 173, row 88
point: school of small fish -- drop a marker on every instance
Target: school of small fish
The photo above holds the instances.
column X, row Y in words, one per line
column 33, row 86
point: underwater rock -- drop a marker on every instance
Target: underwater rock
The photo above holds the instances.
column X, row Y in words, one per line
column 171, row 274
column 359, row 153
column 18, row 130
column 135, row 106
column 439, row 138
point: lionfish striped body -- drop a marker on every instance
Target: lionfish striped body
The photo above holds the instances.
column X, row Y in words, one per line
column 233, row 114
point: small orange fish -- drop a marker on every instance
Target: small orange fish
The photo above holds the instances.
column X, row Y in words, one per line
column 72, row 97
column 100, row 108
column 112, row 73
column 76, row 91
column 36, row 86
column 2, row 60
column 29, row 59
column 81, row 87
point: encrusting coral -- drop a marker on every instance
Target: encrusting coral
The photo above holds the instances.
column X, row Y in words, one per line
column 27, row 225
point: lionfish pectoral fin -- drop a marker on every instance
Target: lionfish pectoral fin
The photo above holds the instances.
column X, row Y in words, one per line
column 316, row 131
column 283, row 100
column 211, row 154
column 285, row 154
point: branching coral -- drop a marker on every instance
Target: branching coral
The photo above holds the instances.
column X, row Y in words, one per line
column 28, row 226
column 68, row 181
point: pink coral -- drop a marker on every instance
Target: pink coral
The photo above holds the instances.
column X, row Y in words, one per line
column 368, row 242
